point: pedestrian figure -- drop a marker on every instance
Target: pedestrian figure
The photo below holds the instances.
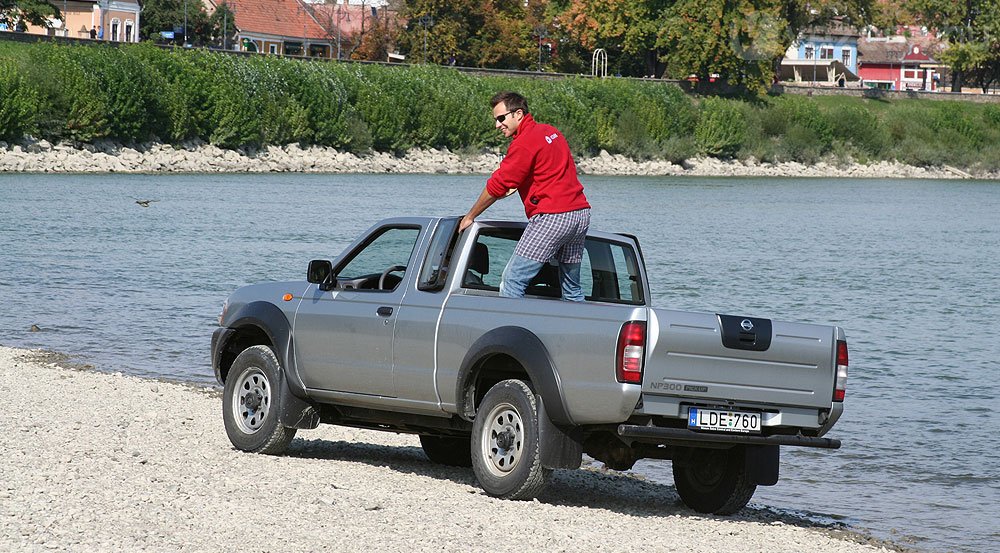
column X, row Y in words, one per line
column 540, row 167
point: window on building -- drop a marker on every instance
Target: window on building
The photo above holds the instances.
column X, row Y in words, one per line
column 273, row 48
column 909, row 74
column 808, row 54
column 826, row 53
column 845, row 56
column 293, row 48
column 128, row 31
column 115, row 25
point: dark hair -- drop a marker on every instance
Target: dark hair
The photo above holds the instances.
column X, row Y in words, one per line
column 512, row 100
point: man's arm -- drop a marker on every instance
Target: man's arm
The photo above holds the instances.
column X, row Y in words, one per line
column 485, row 200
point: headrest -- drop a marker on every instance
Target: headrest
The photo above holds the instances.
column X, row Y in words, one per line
column 480, row 261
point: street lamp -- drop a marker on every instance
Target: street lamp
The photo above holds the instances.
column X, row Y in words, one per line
column 426, row 21
column 542, row 32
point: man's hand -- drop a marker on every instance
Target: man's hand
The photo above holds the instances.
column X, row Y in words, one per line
column 484, row 201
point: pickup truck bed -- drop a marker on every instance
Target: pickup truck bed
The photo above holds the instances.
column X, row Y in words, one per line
column 405, row 332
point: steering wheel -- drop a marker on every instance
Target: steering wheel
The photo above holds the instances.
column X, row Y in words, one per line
column 385, row 273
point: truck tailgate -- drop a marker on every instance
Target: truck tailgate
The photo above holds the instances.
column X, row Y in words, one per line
column 687, row 358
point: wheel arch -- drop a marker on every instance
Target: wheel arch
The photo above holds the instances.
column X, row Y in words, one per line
column 504, row 353
column 263, row 323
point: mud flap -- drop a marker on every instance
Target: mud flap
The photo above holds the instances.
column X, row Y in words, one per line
column 558, row 448
column 295, row 412
column 762, row 464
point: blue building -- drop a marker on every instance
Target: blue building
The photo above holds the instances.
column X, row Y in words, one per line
column 826, row 56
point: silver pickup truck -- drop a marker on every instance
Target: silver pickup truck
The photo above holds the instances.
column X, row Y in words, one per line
column 406, row 332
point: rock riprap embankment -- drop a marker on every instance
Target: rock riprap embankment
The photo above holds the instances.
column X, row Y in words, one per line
column 106, row 462
column 40, row 156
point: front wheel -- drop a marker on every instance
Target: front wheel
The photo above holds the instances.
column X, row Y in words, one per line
column 714, row 481
column 251, row 402
column 505, row 449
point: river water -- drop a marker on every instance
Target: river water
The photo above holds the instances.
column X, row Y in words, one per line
column 909, row 268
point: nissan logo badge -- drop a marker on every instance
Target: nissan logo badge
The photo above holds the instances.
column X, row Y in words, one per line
column 746, row 325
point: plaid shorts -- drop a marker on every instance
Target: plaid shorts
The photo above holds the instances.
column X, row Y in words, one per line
column 555, row 235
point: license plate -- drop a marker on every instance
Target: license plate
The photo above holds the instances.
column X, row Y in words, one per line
column 723, row 421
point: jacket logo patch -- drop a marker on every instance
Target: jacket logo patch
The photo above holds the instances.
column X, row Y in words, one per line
column 551, row 137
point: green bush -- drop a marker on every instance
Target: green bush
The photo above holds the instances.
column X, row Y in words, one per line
column 722, row 127
column 859, row 128
column 18, row 104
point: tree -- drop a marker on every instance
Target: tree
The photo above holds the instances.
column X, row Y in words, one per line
column 966, row 26
column 165, row 15
column 36, row 12
column 621, row 27
column 479, row 33
column 222, row 26
column 736, row 39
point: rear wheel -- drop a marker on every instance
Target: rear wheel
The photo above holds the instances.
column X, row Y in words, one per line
column 251, row 402
column 714, row 481
column 505, row 450
column 451, row 451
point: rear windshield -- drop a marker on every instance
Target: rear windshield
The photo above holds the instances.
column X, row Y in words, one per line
column 609, row 271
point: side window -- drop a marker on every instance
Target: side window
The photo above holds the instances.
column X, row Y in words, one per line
column 614, row 272
column 609, row 271
column 387, row 254
column 490, row 254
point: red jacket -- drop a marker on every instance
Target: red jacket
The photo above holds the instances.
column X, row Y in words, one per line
column 538, row 164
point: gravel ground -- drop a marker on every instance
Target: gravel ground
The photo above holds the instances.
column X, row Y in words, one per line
column 104, row 462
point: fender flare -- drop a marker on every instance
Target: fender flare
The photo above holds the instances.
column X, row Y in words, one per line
column 296, row 410
column 528, row 350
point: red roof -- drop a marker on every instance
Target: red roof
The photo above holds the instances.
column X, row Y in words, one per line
column 348, row 16
column 286, row 18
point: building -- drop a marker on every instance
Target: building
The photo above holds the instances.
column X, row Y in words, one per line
column 114, row 20
column 825, row 56
column 895, row 64
column 285, row 27
column 300, row 27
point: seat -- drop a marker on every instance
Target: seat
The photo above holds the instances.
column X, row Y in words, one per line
column 479, row 265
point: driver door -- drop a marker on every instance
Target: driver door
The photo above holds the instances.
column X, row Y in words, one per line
column 343, row 337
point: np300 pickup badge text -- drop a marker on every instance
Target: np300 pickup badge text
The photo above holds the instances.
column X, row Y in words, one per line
column 406, row 332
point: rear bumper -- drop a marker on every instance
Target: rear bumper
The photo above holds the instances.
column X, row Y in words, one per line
column 674, row 435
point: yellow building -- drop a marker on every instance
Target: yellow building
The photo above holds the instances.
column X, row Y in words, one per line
column 114, row 20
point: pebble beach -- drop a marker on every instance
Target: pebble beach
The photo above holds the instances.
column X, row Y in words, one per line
column 95, row 461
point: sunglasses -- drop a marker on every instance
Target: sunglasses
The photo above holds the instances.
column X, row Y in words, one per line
column 500, row 118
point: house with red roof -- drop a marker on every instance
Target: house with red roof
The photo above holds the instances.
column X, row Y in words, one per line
column 894, row 64
column 323, row 29
column 284, row 27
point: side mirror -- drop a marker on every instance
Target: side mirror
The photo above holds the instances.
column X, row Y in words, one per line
column 321, row 272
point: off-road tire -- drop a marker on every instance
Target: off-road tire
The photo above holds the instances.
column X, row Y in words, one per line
column 251, row 402
column 714, row 481
column 454, row 452
column 505, row 448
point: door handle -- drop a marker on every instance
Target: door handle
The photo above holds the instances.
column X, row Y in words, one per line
column 384, row 311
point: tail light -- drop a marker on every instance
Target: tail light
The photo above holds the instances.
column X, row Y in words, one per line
column 631, row 352
column 840, row 386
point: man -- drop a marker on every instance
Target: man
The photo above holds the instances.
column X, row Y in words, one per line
column 540, row 167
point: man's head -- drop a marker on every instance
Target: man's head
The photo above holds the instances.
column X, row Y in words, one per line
column 509, row 109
